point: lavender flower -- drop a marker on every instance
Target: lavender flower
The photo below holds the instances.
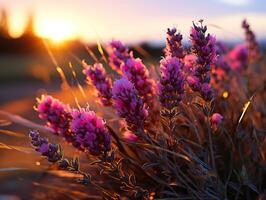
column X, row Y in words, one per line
column 203, row 46
column 171, row 86
column 238, row 57
column 254, row 50
column 90, row 132
column 129, row 105
column 174, row 46
column 118, row 53
column 215, row 120
column 42, row 145
column 96, row 74
column 57, row 115
column 136, row 72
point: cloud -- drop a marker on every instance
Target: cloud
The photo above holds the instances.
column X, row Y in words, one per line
column 236, row 2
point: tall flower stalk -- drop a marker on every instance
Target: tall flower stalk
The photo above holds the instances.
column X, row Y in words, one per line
column 253, row 46
column 204, row 47
column 171, row 85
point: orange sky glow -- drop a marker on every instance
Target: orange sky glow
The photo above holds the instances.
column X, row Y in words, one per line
column 132, row 21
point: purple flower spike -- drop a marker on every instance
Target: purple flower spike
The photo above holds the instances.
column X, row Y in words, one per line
column 137, row 73
column 253, row 46
column 174, row 47
column 118, row 53
column 97, row 76
column 90, row 131
column 129, row 105
column 204, row 47
column 171, row 86
column 42, row 145
column 57, row 115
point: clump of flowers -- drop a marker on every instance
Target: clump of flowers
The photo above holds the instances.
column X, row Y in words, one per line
column 129, row 105
column 51, row 151
column 90, row 132
column 97, row 76
column 118, row 54
column 203, row 46
column 208, row 148
column 57, row 115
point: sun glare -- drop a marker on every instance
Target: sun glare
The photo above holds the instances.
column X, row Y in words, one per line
column 56, row 31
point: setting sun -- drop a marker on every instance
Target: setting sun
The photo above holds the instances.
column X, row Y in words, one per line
column 57, row 31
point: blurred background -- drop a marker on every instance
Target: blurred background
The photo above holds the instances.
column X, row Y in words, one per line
column 43, row 42
column 31, row 31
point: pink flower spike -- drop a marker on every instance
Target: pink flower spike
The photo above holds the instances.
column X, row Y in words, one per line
column 238, row 57
column 171, row 86
column 204, row 47
column 137, row 73
column 90, row 131
column 97, row 76
column 56, row 114
column 118, row 53
column 174, row 47
column 128, row 104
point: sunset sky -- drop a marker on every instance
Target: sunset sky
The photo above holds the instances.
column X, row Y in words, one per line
column 134, row 21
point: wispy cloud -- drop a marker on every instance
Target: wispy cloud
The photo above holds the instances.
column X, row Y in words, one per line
column 237, row 2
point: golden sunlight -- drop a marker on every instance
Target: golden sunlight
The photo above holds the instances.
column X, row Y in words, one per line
column 57, row 31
